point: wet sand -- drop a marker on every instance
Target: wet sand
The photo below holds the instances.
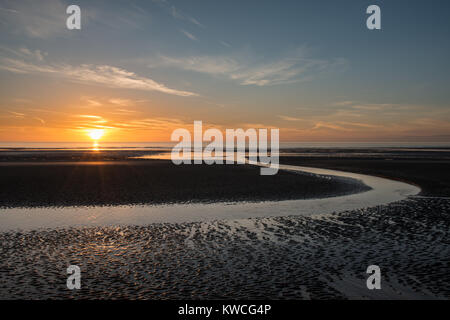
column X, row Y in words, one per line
column 155, row 182
column 269, row 258
column 294, row 257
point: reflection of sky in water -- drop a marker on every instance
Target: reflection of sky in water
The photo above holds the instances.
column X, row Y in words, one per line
column 239, row 157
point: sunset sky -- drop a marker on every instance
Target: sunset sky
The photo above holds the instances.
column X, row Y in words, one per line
column 140, row 69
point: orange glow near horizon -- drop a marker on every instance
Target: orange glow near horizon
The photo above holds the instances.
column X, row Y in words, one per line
column 103, row 119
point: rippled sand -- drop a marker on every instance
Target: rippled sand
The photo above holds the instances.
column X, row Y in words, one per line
column 315, row 257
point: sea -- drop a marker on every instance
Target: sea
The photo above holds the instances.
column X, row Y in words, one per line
column 168, row 145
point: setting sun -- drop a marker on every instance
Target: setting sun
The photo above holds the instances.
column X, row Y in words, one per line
column 96, row 134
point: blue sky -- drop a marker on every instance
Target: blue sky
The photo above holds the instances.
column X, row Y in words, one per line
column 310, row 68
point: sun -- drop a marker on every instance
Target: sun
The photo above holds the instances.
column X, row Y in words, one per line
column 96, row 134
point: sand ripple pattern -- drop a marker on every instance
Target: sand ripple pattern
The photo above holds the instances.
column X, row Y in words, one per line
column 317, row 257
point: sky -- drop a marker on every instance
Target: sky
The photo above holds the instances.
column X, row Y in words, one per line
column 140, row 69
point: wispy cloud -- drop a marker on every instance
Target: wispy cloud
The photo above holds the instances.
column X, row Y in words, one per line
column 24, row 53
column 292, row 68
column 21, row 117
column 359, row 124
column 46, row 19
column 35, row 19
column 329, row 125
column 123, row 102
column 313, row 124
column 358, row 105
column 287, row 118
column 225, row 44
column 343, row 103
column 88, row 116
column 36, row 54
column 42, row 121
column 189, row 35
column 359, row 109
column 105, row 75
column 177, row 13
column 9, row 10
column 203, row 64
column 124, row 112
column 21, row 100
column 17, row 114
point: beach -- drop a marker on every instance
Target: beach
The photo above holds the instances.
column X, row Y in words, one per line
column 132, row 182
column 224, row 150
column 321, row 256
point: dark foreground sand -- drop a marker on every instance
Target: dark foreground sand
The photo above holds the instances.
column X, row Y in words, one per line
column 319, row 257
column 274, row 258
column 155, row 182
